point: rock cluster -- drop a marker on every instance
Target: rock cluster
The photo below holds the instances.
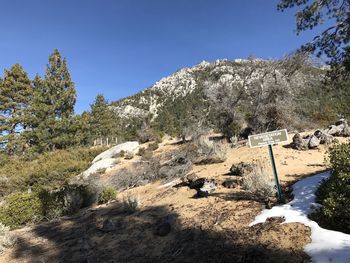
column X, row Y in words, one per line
column 203, row 186
column 340, row 128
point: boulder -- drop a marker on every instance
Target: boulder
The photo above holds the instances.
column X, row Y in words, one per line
column 326, row 138
column 208, row 188
column 99, row 166
column 197, row 183
column 341, row 128
column 314, row 142
column 300, row 143
column 113, row 152
column 241, row 169
column 346, row 131
column 318, row 134
column 333, row 130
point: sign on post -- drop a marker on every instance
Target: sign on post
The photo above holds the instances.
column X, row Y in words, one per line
column 269, row 139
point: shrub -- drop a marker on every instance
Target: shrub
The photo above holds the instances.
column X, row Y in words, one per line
column 141, row 151
column 145, row 153
column 334, row 193
column 210, row 151
column 153, row 146
column 6, row 239
column 130, row 204
column 259, row 183
column 20, row 209
column 52, row 170
column 107, row 194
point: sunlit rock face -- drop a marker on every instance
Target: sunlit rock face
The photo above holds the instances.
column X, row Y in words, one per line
column 205, row 75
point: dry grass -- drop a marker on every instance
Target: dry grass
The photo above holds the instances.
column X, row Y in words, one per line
column 259, row 183
column 6, row 239
column 130, row 204
column 215, row 150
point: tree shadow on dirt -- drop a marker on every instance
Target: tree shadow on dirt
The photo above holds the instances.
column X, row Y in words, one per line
column 110, row 234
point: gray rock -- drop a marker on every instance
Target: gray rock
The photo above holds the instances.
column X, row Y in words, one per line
column 197, row 183
column 208, row 188
column 346, row 131
column 113, row 152
column 333, row 130
column 314, row 142
column 300, row 143
column 326, row 138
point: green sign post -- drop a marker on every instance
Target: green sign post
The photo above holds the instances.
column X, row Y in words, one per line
column 268, row 139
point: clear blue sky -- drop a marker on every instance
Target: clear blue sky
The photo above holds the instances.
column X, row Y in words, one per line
column 119, row 47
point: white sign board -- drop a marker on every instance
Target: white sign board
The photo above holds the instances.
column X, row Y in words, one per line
column 268, row 138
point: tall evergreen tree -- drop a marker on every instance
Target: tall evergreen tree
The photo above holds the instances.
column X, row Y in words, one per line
column 15, row 97
column 60, row 90
column 53, row 105
column 103, row 121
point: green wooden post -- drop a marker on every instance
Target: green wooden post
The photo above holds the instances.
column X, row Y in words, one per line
column 279, row 190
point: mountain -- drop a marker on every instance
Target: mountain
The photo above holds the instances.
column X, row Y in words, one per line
column 250, row 81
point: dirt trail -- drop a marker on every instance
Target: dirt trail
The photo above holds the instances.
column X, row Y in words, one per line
column 213, row 229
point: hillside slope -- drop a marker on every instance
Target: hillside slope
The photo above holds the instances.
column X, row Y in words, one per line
column 212, row 229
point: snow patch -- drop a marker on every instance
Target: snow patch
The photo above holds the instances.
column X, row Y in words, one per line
column 326, row 245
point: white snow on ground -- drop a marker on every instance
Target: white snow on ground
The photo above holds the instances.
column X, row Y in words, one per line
column 326, row 245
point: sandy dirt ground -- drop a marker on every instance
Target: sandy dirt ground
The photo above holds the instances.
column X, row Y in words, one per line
column 212, row 229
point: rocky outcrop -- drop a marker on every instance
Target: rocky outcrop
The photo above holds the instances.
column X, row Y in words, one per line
column 114, row 152
column 99, row 167
column 340, row 128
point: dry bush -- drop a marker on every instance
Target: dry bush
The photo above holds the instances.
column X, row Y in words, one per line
column 259, row 183
column 6, row 238
column 174, row 165
column 130, row 204
column 216, row 151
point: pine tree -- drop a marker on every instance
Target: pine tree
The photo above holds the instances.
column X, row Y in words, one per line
column 53, row 106
column 60, row 90
column 15, row 97
column 103, row 121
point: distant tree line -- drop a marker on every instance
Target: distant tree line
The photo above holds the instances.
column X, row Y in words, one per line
column 38, row 115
